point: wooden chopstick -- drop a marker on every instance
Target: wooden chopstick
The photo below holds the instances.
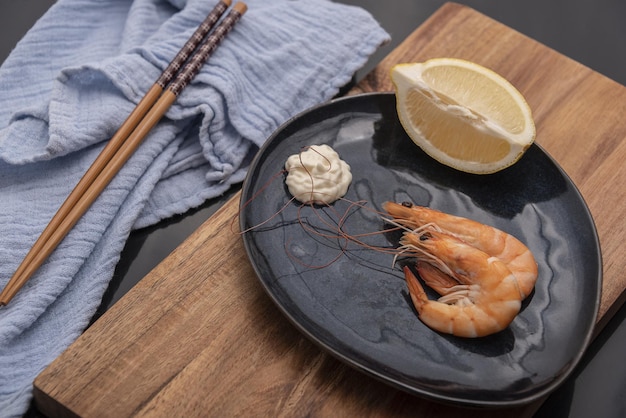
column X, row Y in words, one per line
column 121, row 135
column 130, row 135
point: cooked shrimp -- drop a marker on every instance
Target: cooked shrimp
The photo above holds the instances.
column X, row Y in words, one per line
column 492, row 241
column 479, row 294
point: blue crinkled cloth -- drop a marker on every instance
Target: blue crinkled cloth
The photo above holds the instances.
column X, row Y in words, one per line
column 70, row 83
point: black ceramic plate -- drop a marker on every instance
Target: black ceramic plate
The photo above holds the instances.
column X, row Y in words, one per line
column 357, row 307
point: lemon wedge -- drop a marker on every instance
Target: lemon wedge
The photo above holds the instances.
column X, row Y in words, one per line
column 462, row 114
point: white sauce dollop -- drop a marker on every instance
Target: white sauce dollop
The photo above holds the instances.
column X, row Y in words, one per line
column 317, row 175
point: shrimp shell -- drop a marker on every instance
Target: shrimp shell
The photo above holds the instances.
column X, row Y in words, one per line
column 492, row 241
column 480, row 295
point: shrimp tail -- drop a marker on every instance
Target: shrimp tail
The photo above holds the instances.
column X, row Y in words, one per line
column 418, row 295
column 436, row 279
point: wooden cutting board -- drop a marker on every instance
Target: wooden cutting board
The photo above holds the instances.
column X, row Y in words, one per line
column 199, row 337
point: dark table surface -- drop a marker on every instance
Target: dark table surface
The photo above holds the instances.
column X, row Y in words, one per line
column 591, row 32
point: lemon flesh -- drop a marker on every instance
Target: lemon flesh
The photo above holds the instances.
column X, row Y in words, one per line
column 462, row 114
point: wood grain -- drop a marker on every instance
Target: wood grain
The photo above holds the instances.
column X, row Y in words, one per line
column 199, row 337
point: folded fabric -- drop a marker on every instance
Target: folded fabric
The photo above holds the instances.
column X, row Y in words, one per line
column 70, row 83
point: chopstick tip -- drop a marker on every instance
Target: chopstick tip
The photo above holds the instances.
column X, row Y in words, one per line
column 227, row 2
column 5, row 297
